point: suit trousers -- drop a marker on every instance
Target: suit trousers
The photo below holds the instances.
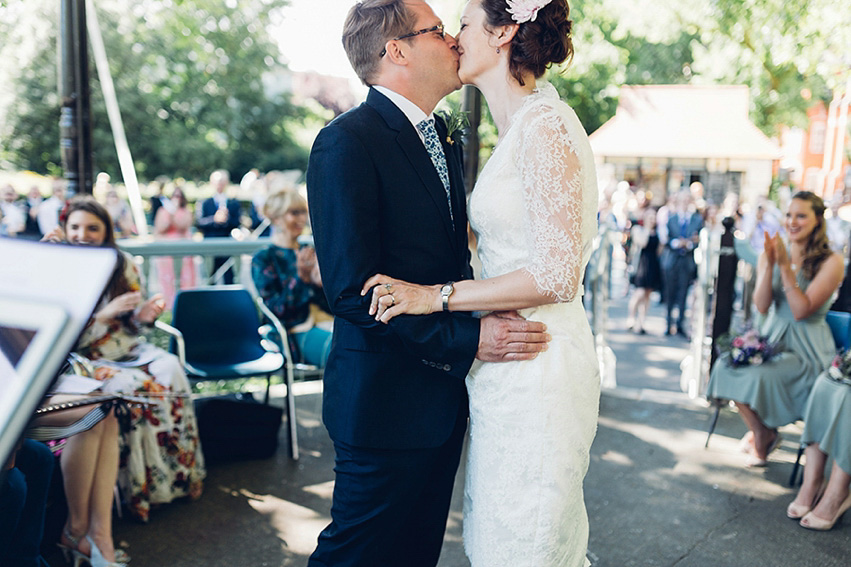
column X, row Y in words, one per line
column 390, row 506
column 679, row 276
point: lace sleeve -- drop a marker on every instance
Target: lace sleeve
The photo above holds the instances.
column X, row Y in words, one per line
column 550, row 169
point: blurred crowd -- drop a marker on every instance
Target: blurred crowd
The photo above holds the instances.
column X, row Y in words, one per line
column 658, row 242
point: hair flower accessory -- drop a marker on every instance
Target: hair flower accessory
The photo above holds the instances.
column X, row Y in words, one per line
column 525, row 10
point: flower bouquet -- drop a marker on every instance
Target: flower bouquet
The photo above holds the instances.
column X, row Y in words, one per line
column 840, row 368
column 748, row 349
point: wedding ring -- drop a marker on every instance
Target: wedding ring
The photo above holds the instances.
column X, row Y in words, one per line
column 392, row 300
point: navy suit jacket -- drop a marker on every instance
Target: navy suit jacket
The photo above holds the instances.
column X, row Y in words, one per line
column 675, row 230
column 377, row 205
column 208, row 227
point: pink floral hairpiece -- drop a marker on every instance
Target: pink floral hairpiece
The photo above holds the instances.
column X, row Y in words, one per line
column 525, row 10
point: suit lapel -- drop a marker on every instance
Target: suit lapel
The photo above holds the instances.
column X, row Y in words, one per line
column 452, row 152
column 413, row 148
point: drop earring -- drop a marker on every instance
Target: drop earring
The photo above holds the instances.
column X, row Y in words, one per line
column 497, row 50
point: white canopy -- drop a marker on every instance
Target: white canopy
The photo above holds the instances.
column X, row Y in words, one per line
column 683, row 121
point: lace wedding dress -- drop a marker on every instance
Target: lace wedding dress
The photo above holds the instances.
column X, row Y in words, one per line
column 532, row 422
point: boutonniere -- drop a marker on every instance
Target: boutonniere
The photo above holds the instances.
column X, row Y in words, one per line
column 456, row 126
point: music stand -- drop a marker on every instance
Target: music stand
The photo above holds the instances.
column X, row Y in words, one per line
column 47, row 295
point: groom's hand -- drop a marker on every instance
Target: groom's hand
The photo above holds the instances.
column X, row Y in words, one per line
column 506, row 336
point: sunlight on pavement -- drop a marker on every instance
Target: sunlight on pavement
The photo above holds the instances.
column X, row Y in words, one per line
column 296, row 525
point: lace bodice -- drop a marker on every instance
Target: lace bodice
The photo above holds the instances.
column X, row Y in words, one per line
column 535, row 203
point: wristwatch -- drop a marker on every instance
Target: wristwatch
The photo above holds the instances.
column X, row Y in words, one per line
column 445, row 291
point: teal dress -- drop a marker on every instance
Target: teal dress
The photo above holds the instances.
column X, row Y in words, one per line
column 778, row 390
column 827, row 420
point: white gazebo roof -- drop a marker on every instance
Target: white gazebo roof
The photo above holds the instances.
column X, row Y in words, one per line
column 683, row 121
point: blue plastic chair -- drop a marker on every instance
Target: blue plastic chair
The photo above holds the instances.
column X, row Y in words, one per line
column 840, row 326
column 215, row 334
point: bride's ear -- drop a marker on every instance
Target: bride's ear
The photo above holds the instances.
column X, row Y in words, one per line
column 503, row 35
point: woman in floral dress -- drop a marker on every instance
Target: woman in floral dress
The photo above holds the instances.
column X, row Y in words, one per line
column 160, row 452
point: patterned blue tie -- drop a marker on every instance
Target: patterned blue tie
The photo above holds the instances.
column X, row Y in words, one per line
column 435, row 151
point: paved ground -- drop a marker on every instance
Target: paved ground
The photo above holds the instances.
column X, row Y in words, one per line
column 655, row 496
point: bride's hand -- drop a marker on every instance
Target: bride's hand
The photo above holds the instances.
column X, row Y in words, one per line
column 392, row 297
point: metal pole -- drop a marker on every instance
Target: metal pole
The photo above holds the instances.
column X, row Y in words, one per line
column 725, row 294
column 75, row 116
column 122, row 148
column 471, row 103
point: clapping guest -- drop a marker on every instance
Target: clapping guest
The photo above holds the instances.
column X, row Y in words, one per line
column 160, row 451
column 647, row 276
column 798, row 282
column 120, row 214
column 174, row 221
column 286, row 276
column 827, row 432
column 218, row 216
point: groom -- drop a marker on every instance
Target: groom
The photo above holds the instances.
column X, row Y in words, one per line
column 386, row 196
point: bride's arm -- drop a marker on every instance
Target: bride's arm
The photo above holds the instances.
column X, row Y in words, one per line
column 549, row 168
column 516, row 290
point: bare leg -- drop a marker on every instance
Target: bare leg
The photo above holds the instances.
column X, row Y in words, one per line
column 835, row 493
column 100, row 525
column 762, row 435
column 78, row 462
column 90, row 468
column 641, row 308
column 633, row 305
column 813, row 476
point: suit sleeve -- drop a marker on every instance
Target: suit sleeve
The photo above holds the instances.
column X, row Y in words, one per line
column 345, row 209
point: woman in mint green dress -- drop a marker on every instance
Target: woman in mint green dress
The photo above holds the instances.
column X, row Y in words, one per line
column 799, row 283
column 827, row 431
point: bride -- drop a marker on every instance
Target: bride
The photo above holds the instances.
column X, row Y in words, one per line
column 534, row 213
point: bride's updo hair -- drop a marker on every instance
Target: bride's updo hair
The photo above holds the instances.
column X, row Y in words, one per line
column 538, row 44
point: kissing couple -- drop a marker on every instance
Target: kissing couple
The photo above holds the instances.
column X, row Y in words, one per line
column 410, row 362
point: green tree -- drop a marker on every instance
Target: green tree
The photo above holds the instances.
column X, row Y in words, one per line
column 195, row 80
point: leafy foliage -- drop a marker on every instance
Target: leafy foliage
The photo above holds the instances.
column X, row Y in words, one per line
column 195, row 80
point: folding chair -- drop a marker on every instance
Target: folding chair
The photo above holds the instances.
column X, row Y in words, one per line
column 215, row 334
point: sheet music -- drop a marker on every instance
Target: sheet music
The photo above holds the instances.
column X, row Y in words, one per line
column 75, row 384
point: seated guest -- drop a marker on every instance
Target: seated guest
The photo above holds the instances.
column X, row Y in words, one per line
column 827, row 431
column 287, row 278
column 160, row 450
column 798, row 283
column 23, row 495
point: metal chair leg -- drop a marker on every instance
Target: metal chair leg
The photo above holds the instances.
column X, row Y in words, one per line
column 268, row 388
column 793, row 478
column 292, row 431
column 717, row 403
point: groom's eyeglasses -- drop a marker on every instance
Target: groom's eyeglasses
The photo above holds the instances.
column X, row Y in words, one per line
column 438, row 29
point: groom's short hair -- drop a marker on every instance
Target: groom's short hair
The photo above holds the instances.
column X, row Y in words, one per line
column 369, row 26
